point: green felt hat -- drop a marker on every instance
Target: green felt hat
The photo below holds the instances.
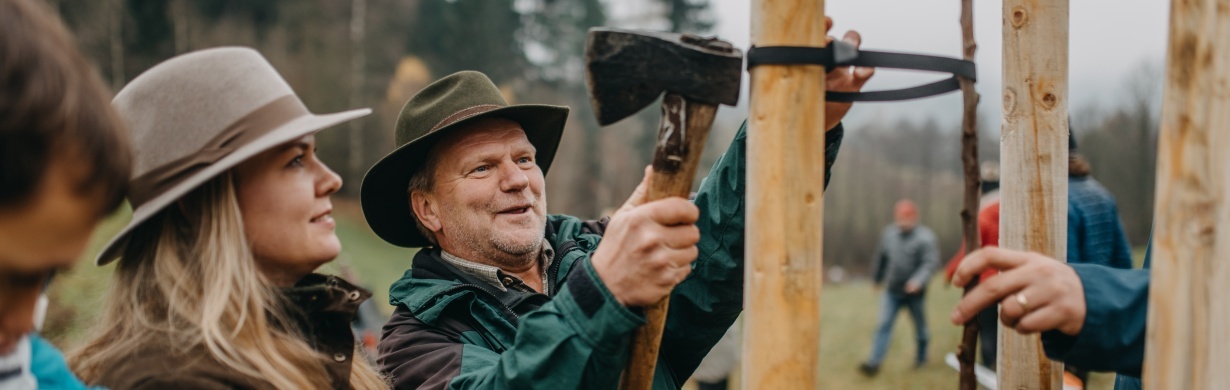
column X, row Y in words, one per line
column 444, row 106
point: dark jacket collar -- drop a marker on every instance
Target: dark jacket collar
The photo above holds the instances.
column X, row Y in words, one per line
column 429, row 264
column 323, row 308
column 320, row 307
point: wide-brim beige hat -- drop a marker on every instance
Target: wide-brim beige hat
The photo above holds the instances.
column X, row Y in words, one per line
column 195, row 116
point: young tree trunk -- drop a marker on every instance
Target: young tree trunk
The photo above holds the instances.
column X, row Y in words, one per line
column 1034, row 156
column 785, row 200
column 1188, row 346
column 969, row 210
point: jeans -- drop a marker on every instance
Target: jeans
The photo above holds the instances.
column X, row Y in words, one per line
column 889, row 306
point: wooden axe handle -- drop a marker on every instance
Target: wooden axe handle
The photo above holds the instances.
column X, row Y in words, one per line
column 681, row 139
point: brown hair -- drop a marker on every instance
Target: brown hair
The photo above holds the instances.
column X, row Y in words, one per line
column 423, row 180
column 52, row 101
column 1078, row 166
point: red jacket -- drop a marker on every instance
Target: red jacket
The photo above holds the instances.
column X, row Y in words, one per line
column 988, row 232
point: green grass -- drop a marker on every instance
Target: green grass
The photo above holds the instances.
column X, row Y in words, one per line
column 848, row 311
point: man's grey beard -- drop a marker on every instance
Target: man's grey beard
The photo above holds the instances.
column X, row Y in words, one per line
column 524, row 253
column 505, row 254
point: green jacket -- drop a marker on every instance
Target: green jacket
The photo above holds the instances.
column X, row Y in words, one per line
column 450, row 330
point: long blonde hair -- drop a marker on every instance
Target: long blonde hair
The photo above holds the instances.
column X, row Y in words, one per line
column 188, row 279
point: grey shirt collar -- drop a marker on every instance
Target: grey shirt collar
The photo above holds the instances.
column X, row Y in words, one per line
column 502, row 280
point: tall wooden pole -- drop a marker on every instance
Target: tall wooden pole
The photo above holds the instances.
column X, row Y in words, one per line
column 1188, row 342
column 785, row 198
column 1034, row 161
column 969, row 210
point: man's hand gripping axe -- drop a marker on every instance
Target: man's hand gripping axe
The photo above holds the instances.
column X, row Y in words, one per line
column 628, row 70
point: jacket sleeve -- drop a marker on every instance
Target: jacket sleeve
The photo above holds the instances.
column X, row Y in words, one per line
column 49, row 367
column 879, row 263
column 1113, row 336
column 705, row 304
column 1121, row 251
column 930, row 261
column 576, row 341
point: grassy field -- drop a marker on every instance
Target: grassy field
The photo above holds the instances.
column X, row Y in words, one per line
column 849, row 311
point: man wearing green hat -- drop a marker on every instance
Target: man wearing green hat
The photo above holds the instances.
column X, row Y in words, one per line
column 503, row 295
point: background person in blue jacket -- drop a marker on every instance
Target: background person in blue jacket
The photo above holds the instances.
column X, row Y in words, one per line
column 1091, row 316
column 64, row 164
column 1095, row 234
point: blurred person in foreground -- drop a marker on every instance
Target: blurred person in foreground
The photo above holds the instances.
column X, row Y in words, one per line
column 907, row 257
column 64, row 163
column 214, row 285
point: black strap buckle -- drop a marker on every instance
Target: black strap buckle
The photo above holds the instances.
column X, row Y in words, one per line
column 840, row 53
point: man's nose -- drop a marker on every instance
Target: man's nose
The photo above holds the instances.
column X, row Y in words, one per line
column 513, row 178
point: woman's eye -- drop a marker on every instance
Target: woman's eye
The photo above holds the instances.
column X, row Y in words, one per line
column 297, row 161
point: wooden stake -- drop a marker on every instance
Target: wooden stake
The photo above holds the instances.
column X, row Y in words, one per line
column 1188, row 345
column 1034, row 160
column 969, row 212
column 785, row 198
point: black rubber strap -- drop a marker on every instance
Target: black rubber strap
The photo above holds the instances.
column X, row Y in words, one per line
column 839, row 54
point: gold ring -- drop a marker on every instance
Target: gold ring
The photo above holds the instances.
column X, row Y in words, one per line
column 1020, row 298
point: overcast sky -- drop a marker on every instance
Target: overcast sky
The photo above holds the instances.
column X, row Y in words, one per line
column 1104, row 48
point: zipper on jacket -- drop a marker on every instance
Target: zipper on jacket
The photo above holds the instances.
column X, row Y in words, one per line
column 553, row 271
column 499, row 303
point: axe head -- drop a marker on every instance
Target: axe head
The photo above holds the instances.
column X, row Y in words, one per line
column 627, row 70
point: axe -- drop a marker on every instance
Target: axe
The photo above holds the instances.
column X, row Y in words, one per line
column 628, row 70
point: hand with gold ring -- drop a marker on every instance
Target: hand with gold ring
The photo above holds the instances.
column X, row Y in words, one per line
column 1056, row 297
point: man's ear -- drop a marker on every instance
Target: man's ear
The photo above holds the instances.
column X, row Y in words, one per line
column 424, row 209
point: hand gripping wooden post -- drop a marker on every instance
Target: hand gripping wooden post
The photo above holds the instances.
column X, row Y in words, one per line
column 1034, row 164
column 1188, row 341
column 627, row 70
column 785, row 198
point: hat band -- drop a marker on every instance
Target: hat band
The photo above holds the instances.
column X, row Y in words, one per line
column 242, row 132
column 463, row 114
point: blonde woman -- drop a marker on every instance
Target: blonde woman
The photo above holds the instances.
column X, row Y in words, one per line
column 231, row 215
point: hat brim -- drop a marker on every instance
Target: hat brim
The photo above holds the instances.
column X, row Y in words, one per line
column 383, row 193
column 289, row 131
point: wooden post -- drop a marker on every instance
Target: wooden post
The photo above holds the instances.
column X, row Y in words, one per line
column 785, row 198
column 1188, row 344
column 1034, row 161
